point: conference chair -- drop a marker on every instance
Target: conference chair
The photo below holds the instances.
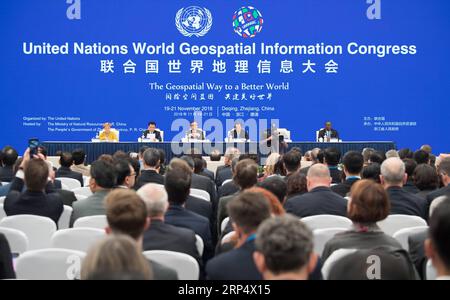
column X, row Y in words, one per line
column 199, row 244
column 80, row 239
column 50, row 264
column 70, row 183
column 162, row 134
column 200, row 194
column 17, row 240
column 394, row 223
column 322, row 236
column 2, row 212
column 431, row 272
column 332, row 259
column 226, row 181
column 86, row 180
column 85, row 191
column 185, row 265
column 98, row 222
column 226, row 238
column 403, row 234
column 38, row 230
column 224, row 224
column 2, row 199
column 327, row 221
column 80, row 197
column 64, row 219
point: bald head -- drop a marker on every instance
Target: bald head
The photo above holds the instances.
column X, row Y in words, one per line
column 155, row 199
column 393, row 172
column 318, row 175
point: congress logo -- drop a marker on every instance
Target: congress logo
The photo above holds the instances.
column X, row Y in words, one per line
column 193, row 21
column 247, row 22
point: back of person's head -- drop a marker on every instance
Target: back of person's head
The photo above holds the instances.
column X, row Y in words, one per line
column 232, row 153
column 155, row 199
column 369, row 202
column 275, row 185
column 393, row 171
column 17, row 165
column 10, row 156
column 279, row 168
column 246, row 173
column 162, row 156
column 426, row 178
column 284, row 245
column 377, row 157
column 66, row 159
column 78, row 156
column 444, row 167
column 433, row 160
column 234, row 163
column 405, row 153
column 142, row 150
column 115, row 254
column 36, row 175
column 42, row 150
column 106, row 158
column 426, row 148
column 151, row 158
column 178, row 181
column 353, row 162
column 332, row 156
column 421, row 157
column 292, row 160
column 134, row 162
column 438, row 246
column 248, row 210
column 276, row 207
column 392, row 153
column 198, row 165
column 366, row 153
column 189, row 160
column 215, row 155
column 126, row 213
column 321, row 156
column 123, row 170
column 103, row 173
column 314, row 154
column 318, row 175
column 410, row 166
column 372, row 172
column 296, row 184
column 119, row 154
column 271, row 161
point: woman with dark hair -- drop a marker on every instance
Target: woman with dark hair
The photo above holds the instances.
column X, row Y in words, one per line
column 296, row 185
column 426, row 179
column 372, row 172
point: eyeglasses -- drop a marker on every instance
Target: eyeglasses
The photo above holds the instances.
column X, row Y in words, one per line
column 132, row 174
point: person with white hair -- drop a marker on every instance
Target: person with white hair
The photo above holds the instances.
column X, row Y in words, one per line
column 393, row 177
column 224, row 172
column 392, row 153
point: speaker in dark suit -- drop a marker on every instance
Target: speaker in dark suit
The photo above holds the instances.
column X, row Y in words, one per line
column 328, row 133
column 147, row 134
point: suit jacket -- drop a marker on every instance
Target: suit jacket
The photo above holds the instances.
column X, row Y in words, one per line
column 242, row 135
column 91, row 206
column 204, row 183
column 68, row 173
column 417, row 251
column 161, row 272
column 197, row 135
column 177, row 215
column 85, row 170
column 445, row 191
column 207, row 173
column 156, row 133
column 6, row 174
column 222, row 211
column 321, row 200
column 47, row 204
column 334, row 134
column 6, row 260
column 236, row 264
column 404, row 203
column 68, row 197
column 410, row 187
column 344, row 188
column 148, row 176
column 199, row 206
column 227, row 189
column 223, row 173
column 336, row 175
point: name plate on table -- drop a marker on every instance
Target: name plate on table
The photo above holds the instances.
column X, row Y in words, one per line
column 334, row 140
column 186, row 140
column 231, row 140
column 146, row 140
column 100, row 141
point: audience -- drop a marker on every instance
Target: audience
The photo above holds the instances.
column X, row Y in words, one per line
column 372, row 172
column 366, row 153
column 125, row 174
column 422, row 157
column 425, row 179
column 230, row 187
column 150, row 172
column 410, row 166
column 277, row 186
column 296, row 185
column 79, row 157
column 314, row 153
column 353, row 164
column 292, row 162
column 9, row 157
column 444, row 174
column 405, row 153
column 66, row 161
column 332, row 156
column 224, row 172
column 320, row 199
column 392, row 153
column 377, row 157
column 284, row 249
column 269, row 167
column 201, row 182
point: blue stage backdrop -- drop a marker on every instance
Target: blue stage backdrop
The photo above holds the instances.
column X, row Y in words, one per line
column 379, row 70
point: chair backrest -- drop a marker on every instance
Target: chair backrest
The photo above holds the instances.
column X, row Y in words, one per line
column 38, row 230
column 50, row 264
column 2, row 199
column 199, row 244
column 185, row 265
column 322, row 236
column 327, row 221
column 224, row 223
column 317, row 134
column 86, row 180
column 98, row 222
column 227, row 237
column 84, row 191
column 200, row 194
column 394, row 223
column 70, row 183
column 2, row 211
column 54, row 160
column 226, row 181
column 162, row 134
column 403, row 234
column 80, row 197
column 430, row 272
column 64, row 219
column 80, row 239
column 17, row 240
column 333, row 258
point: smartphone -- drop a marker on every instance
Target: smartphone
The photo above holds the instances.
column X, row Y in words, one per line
column 33, row 144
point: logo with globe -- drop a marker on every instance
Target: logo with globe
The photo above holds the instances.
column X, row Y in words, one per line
column 247, row 22
column 193, row 21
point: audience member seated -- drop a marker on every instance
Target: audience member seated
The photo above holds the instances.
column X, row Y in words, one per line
column 4, row 189
column 79, row 157
column 200, row 168
column 368, row 204
column 296, row 185
column 320, row 199
column 103, row 179
column 314, row 159
column 127, row 214
column 150, row 171
column 116, row 254
column 392, row 153
column 284, row 249
column 66, row 161
column 437, row 246
column 372, row 172
column 248, row 211
column 410, row 166
column 377, row 157
column 444, row 173
column 393, row 176
column 332, row 156
column 6, row 260
column 426, row 180
column 292, row 162
column 277, row 186
column 366, row 153
column 269, row 167
column 422, row 157
column 353, row 163
column 201, row 182
column 224, row 172
column 215, row 155
column 125, row 174
column 9, row 157
column 36, row 199
column 405, row 153
column 230, row 187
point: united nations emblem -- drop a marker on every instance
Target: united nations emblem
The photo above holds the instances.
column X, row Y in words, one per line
column 193, row 20
column 247, row 21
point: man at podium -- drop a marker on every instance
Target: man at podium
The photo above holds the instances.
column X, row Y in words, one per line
column 151, row 133
column 195, row 133
column 328, row 133
column 238, row 132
